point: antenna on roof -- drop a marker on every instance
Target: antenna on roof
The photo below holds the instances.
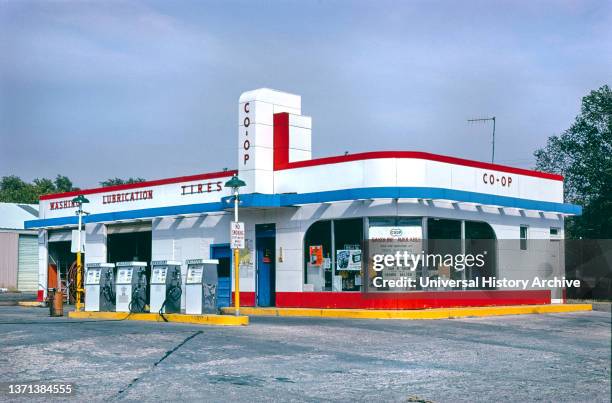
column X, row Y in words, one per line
column 493, row 142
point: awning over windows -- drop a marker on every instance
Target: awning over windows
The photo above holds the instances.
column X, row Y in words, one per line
column 256, row 200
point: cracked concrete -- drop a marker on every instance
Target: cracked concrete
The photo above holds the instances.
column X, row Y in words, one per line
column 553, row 357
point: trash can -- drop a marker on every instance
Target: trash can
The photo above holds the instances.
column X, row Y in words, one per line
column 56, row 302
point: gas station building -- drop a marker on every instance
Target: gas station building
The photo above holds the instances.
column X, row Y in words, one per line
column 295, row 206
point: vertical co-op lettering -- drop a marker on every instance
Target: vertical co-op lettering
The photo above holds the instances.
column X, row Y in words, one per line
column 247, row 144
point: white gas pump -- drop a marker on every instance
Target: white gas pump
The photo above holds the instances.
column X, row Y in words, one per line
column 201, row 286
column 131, row 286
column 166, row 286
column 99, row 287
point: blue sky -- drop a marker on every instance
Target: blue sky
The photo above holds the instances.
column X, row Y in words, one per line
column 101, row 89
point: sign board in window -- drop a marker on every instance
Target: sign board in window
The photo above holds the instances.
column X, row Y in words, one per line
column 386, row 237
column 412, row 232
column 316, row 255
column 348, row 260
column 247, row 263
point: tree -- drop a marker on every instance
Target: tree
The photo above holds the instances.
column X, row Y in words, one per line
column 43, row 186
column 63, row 184
column 119, row 181
column 583, row 155
column 14, row 190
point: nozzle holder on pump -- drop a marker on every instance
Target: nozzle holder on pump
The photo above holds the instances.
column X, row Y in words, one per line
column 166, row 286
column 100, row 287
column 201, row 284
column 131, row 286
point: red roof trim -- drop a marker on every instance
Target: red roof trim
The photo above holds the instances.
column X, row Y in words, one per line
column 158, row 182
column 281, row 139
column 417, row 155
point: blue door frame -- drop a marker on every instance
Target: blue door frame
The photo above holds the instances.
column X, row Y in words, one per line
column 265, row 238
column 223, row 253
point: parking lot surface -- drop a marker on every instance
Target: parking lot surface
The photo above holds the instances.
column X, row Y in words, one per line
column 553, row 357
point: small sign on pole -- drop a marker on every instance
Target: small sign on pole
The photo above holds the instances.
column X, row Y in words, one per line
column 237, row 235
column 74, row 244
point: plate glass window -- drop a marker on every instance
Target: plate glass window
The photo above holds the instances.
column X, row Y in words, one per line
column 523, row 237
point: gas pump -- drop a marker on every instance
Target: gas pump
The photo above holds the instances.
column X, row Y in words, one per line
column 100, row 287
column 131, row 286
column 201, row 286
column 166, row 286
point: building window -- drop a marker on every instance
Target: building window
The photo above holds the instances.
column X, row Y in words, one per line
column 444, row 238
column 348, row 238
column 523, row 237
column 554, row 233
column 318, row 256
column 334, row 249
column 387, row 235
column 333, row 255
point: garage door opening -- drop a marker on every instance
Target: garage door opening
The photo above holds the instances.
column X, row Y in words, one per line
column 61, row 269
column 131, row 247
column 27, row 263
column 129, row 243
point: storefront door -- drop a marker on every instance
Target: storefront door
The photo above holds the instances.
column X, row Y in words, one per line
column 265, row 236
column 222, row 252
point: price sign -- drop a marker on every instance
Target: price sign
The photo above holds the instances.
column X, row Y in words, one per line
column 237, row 235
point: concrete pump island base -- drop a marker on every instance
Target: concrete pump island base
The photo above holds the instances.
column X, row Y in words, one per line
column 437, row 313
column 214, row 320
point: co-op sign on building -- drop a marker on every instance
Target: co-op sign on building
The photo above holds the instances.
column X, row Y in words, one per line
column 294, row 205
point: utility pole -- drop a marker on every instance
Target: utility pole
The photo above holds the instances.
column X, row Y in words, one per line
column 493, row 142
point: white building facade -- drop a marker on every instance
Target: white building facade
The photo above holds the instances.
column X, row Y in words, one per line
column 301, row 213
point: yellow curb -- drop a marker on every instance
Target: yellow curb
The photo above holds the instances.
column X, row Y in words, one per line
column 214, row 320
column 30, row 303
column 438, row 313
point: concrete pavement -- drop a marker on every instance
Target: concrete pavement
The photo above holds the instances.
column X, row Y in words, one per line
column 550, row 357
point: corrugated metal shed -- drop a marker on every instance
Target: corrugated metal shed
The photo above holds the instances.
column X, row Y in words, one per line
column 8, row 259
column 27, row 271
column 18, row 247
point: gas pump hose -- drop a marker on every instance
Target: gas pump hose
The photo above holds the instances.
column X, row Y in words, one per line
column 175, row 292
column 136, row 298
column 107, row 291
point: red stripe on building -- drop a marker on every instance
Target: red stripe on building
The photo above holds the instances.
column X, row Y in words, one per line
column 190, row 178
column 247, row 298
column 410, row 300
column 281, row 140
column 280, row 164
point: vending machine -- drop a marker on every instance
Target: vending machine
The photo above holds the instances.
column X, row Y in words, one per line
column 100, row 287
column 201, row 286
column 166, row 286
column 131, row 286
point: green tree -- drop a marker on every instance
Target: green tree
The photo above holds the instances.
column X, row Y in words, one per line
column 63, row 184
column 43, row 186
column 14, row 190
column 119, row 181
column 583, row 155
